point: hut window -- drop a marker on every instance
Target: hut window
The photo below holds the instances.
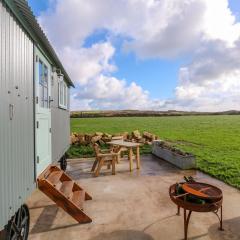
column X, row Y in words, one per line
column 63, row 94
column 43, row 85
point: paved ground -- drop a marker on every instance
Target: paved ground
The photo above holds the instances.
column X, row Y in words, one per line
column 132, row 206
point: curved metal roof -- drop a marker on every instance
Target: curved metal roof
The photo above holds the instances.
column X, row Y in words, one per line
column 42, row 39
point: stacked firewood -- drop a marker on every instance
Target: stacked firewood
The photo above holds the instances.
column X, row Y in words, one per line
column 102, row 138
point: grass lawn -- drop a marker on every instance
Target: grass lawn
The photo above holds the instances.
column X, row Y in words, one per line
column 215, row 140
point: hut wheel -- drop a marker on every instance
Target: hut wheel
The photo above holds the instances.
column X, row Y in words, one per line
column 63, row 162
column 18, row 227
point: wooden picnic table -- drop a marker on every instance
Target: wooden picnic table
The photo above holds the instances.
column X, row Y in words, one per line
column 130, row 146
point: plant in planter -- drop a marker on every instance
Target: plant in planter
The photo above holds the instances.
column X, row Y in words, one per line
column 166, row 151
column 172, row 148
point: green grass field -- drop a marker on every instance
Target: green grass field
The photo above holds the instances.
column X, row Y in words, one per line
column 215, row 140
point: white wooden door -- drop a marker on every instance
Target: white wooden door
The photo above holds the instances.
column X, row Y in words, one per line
column 43, row 112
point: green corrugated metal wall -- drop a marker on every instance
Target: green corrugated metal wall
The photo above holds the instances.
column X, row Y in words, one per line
column 17, row 167
column 16, row 102
column 60, row 124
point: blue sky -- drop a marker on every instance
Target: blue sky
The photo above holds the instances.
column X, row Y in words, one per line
column 235, row 7
column 157, row 75
column 38, row 6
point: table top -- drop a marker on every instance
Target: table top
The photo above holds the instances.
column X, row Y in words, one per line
column 124, row 143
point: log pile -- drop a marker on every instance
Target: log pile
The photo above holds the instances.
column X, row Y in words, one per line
column 102, row 138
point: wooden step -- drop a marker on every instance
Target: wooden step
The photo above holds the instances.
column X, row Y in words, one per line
column 66, row 193
column 67, row 188
column 78, row 198
column 54, row 177
column 48, row 171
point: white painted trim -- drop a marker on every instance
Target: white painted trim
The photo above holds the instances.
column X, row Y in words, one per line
column 62, row 93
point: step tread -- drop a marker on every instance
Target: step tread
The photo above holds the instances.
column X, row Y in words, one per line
column 54, row 177
column 67, row 188
column 78, row 198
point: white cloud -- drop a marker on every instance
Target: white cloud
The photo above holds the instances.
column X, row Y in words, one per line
column 214, row 60
column 220, row 23
column 158, row 28
column 111, row 93
column 85, row 64
column 206, row 29
column 212, row 80
column 96, row 88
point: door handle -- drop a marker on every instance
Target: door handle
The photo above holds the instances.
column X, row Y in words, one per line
column 11, row 106
column 50, row 100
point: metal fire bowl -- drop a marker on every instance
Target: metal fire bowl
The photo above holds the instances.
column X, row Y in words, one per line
column 213, row 206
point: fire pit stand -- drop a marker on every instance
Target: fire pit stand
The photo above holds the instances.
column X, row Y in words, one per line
column 211, row 195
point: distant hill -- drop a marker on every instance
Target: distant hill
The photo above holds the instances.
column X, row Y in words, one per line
column 139, row 113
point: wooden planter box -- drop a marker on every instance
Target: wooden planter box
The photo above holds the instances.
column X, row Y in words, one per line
column 183, row 162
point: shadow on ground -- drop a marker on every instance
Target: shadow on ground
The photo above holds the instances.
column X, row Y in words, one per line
column 123, row 235
column 46, row 219
column 151, row 166
column 231, row 230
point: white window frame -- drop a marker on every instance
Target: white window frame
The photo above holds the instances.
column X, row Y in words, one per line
column 43, row 84
column 62, row 93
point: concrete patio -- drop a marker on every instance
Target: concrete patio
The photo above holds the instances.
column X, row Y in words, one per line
column 131, row 206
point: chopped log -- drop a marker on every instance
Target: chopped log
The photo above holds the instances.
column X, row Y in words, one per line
column 81, row 139
column 101, row 142
column 117, row 138
column 74, row 134
column 74, row 139
column 136, row 135
column 96, row 139
column 149, row 136
column 125, row 135
column 129, row 137
column 142, row 140
column 106, row 135
column 98, row 134
column 88, row 138
column 106, row 139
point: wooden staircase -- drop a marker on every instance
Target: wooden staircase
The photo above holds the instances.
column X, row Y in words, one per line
column 66, row 193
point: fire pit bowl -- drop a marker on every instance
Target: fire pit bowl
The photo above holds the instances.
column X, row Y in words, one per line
column 210, row 197
column 212, row 203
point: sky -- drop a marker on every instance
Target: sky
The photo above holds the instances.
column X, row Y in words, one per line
column 147, row 54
